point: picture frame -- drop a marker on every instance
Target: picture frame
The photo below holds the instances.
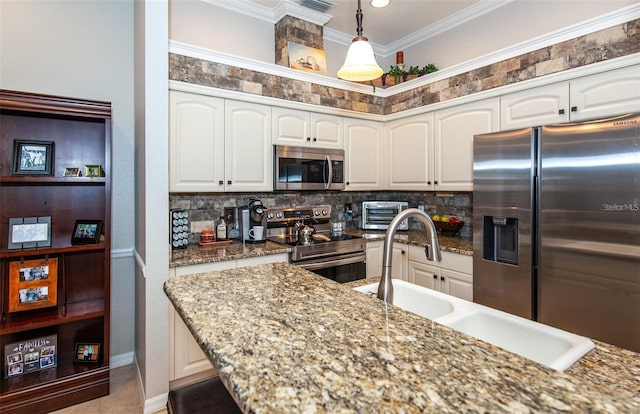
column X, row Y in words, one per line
column 33, row 284
column 86, row 231
column 307, row 59
column 87, row 352
column 93, row 170
column 29, row 232
column 72, row 172
column 32, row 157
column 31, row 355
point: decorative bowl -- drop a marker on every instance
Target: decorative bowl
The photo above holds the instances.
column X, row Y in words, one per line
column 448, row 228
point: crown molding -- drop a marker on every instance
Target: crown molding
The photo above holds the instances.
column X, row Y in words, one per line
column 593, row 25
column 245, row 7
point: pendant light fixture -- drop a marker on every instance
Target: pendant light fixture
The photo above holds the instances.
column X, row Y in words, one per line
column 360, row 64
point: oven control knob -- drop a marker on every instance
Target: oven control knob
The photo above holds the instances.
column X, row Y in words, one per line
column 269, row 216
column 324, row 212
column 278, row 215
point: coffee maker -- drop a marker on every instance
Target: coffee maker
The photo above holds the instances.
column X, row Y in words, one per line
column 253, row 221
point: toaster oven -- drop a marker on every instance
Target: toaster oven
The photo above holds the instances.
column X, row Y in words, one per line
column 377, row 215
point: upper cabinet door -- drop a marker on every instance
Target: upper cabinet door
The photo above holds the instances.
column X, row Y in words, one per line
column 290, row 127
column 364, row 149
column 327, row 131
column 307, row 129
column 534, row 107
column 249, row 153
column 409, row 153
column 606, row 94
column 196, row 142
column 454, row 131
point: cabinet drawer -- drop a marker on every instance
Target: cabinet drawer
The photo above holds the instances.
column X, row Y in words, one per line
column 453, row 261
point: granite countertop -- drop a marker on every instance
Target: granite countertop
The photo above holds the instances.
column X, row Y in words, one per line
column 460, row 245
column 196, row 254
column 287, row 340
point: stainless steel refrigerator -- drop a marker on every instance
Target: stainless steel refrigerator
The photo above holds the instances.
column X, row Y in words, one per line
column 556, row 226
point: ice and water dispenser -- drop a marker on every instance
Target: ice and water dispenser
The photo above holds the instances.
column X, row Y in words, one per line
column 500, row 239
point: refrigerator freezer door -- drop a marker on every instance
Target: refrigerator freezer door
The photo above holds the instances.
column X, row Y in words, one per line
column 502, row 221
column 589, row 238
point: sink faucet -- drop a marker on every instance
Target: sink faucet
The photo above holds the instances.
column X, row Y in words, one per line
column 385, row 288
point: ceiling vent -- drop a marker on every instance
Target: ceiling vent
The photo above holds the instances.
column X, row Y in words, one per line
column 319, row 5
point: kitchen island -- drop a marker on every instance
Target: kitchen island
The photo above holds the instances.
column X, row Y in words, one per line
column 287, row 340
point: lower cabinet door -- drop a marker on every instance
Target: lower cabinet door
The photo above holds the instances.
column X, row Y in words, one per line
column 188, row 358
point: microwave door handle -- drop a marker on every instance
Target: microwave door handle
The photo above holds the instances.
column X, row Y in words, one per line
column 327, row 182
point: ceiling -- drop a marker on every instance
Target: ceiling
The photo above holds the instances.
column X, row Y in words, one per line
column 398, row 21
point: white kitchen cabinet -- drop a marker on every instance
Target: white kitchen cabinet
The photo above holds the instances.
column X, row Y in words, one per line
column 534, row 107
column 218, row 145
column 453, row 275
column 364, row 153
column 590, row 97
column 374, row 259
column 605, row 94
column 307, row 129
column 409, row 153
column 196, row 142
column 248, row 151
column 399, row 260
column 453, row 147
column 187, row 362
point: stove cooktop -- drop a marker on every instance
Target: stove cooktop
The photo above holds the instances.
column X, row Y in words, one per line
column 293, row 241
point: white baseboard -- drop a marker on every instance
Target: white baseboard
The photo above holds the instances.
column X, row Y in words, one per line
column 117, row 361
column 153, row 405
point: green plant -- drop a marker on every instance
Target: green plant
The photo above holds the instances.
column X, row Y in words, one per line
column 429, row 68
column 414, row 70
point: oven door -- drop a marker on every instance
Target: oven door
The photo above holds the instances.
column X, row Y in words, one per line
column 341, row 268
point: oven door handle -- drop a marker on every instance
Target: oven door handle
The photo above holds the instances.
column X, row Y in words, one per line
column 359, row 258
column 327, row 182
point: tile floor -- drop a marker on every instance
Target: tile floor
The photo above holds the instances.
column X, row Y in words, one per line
column 123, row 399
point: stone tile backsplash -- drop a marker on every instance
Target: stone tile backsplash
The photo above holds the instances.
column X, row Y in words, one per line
column 206, row 208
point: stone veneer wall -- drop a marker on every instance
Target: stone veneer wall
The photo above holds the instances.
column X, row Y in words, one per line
column 617, row 41
column 205, row 208
column 292, row 29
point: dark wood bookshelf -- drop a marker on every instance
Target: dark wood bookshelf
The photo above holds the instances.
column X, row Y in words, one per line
column 80, row 133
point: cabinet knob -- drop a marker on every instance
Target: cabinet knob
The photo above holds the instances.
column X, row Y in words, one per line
column 428, row 182
column 220, row 182
column 435, row 277
column 402, row 251
column 561, row 112
column 347, row 183
column 229, row 182
column 574, row 109
column 308, row 138
column 435, row 182
column 315, row 139
column 442, row 278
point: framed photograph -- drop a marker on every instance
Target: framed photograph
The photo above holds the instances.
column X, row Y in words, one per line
column 87, row 352
column 29, row 232
column 93, row 170
column 32, row 157
column 30, row 355
column 72, row 172
column 33, row 284
column 307, row 59
column 86, row 232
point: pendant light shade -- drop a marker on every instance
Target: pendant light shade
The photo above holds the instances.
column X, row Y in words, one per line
column 360, row 64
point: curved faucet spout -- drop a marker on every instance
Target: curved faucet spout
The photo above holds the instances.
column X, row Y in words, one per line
column 385, row 288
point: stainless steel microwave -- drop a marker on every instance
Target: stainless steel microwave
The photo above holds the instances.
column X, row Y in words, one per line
column 300, row 168
column 376, row 215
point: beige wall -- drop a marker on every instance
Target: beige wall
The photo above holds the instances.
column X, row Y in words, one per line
column 84, row 49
